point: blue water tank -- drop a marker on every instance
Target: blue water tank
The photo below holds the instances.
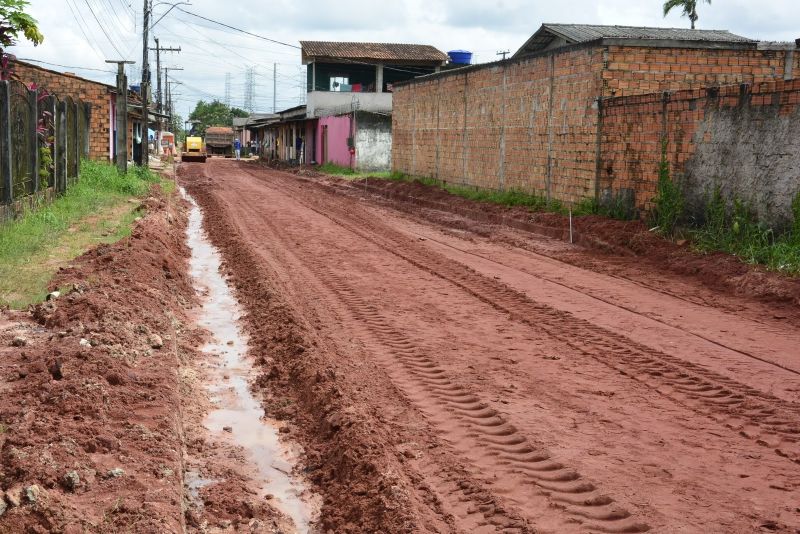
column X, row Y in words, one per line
column 460, row 57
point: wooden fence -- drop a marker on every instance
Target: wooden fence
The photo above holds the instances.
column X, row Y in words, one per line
column 35, row 127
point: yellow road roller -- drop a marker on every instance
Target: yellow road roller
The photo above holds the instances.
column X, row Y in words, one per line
column 194, row 150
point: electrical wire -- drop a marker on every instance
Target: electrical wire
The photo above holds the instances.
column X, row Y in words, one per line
column 92, row 44
column 66, row 66
column 238, row 29
column 114, row 46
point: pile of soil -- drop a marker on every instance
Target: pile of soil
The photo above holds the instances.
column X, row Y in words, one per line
column 90, row 437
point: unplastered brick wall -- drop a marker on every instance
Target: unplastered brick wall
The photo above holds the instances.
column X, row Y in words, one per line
column 744, row 139
column 531, row 124
column 527, row 125
column 94, row 93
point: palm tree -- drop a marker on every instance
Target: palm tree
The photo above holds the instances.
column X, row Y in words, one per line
column 689, row 8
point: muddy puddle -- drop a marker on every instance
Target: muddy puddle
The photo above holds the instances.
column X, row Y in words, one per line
column 237, row 415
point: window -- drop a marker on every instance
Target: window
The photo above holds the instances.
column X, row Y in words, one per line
column 338, row 81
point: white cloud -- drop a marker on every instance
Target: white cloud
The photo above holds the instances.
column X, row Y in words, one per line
column 483, row 26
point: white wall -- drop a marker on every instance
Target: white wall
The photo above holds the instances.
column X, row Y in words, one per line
column 322, row 103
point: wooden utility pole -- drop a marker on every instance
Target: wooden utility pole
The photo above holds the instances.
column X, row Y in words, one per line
column 159, row 98
column 121, row 144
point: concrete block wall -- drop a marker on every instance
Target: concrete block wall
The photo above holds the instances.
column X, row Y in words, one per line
column 531, row 124
column 744, row 139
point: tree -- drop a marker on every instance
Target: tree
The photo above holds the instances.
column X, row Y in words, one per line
column 689, row 8
column 14, row 20
column 214, row 113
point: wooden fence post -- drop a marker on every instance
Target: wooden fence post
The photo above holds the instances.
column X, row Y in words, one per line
column 5, row 143
column 33, row 101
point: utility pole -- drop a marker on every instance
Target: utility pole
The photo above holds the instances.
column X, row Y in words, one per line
column 159, row 99
column 158, row 49
column 503, row 53
column 121, row 142
column 274, row 87
column 143, row 157
column 166, row 80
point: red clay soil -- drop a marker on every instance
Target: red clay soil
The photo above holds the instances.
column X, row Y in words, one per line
column 446, row 373
column 90, row 437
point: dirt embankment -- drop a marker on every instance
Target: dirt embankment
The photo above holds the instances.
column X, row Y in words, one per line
column 90, row 437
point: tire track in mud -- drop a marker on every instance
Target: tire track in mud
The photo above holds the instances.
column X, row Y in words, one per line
column 755, row 415
column 562, row 493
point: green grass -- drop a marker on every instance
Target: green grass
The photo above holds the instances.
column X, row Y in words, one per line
column 736, row 231
column 94, row 210
column 347, row 172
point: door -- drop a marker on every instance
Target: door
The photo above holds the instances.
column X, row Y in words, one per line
column 324, row 144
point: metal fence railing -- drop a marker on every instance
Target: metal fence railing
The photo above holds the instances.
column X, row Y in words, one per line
column 42, row 141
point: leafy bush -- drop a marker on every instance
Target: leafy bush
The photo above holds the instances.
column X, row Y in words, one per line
column 668, row 202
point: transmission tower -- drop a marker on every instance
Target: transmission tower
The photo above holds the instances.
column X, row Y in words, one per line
column 228, row 89
column 249, row 88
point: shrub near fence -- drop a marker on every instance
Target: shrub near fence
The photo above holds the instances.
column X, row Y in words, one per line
column 42, row 141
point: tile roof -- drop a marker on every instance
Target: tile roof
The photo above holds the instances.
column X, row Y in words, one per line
column 581, row 33
column 372, row 51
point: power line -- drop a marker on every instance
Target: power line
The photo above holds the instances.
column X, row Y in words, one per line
column 102, row 28
column 65, row 66
column 238, row 29
column 92, row 44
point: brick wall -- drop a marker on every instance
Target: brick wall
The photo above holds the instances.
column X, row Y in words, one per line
column 532, row 124
column 95, row 93
column 498, row 127
column 744, row 139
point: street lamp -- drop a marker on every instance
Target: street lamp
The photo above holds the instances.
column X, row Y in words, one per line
column 172, row 6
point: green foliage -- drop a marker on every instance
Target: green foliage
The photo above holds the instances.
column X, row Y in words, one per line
column 737, row 231
column 214, row 113
column 28, row 244
column 668, row 202
column 689, row 8
column 14, row 20
column 618, row 208
column 45, row 166
column 796, row 219
column 336, row 170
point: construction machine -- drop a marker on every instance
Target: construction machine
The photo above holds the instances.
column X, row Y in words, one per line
column 194, row 150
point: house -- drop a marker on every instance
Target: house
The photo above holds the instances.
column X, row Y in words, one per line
column 347, row 116
column 101, row 96
column 533, row 122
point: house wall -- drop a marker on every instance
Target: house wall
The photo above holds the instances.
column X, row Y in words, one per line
column 97, row 94
column 744, row 139
column 532, row 123
column 321, row 103
column 373, row 142
column 338, row 128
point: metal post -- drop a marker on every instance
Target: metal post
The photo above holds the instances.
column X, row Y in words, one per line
column 33, row 97
column 274, row 87
column 5, row 143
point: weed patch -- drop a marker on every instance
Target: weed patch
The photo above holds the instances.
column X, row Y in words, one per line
column 92, row 211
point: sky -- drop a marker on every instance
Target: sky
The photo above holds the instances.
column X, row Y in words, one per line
column 81, row 34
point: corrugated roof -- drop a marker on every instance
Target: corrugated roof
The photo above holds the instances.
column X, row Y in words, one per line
column 372, row 51
column 581, row 33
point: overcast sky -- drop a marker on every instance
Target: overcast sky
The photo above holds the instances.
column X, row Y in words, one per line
column 79, row 33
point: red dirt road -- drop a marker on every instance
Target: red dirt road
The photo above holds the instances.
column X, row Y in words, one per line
column 447, row 380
